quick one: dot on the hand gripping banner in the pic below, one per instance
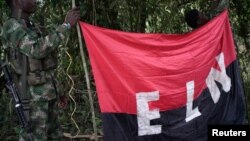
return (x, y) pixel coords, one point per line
(165, 87)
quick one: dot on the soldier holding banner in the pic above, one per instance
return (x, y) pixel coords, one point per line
(196, 19)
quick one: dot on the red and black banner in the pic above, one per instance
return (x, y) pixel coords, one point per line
(160, 87)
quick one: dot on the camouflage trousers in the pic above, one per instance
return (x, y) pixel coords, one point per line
(43, 116)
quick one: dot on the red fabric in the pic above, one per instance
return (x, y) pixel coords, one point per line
(126, 63)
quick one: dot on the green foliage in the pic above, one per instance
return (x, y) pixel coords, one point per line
(154, 16)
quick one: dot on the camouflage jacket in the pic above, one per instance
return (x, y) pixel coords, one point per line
(31, 55)
(28, 41)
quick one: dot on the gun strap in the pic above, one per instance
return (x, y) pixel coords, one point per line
(54, 84)
(25, 96)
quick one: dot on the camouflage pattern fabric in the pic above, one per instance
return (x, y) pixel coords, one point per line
(44, 122)
(28, 41)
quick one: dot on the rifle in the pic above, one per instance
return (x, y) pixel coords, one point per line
(16, 96)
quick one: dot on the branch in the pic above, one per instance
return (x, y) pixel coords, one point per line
(91, 137)
(87, 74)
(185, 2)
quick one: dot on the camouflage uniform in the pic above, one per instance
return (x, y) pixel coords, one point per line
(33, 60)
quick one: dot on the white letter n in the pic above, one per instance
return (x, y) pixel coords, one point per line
(219, 76)
(144, 115)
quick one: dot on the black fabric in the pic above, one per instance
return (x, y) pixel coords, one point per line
(230, 109)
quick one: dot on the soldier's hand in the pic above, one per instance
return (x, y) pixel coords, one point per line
(63, 102)
(72, 16)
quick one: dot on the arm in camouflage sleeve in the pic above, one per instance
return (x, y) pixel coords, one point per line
(217, 7)
(31, 44)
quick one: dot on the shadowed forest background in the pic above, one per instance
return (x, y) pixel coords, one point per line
(145, 16)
